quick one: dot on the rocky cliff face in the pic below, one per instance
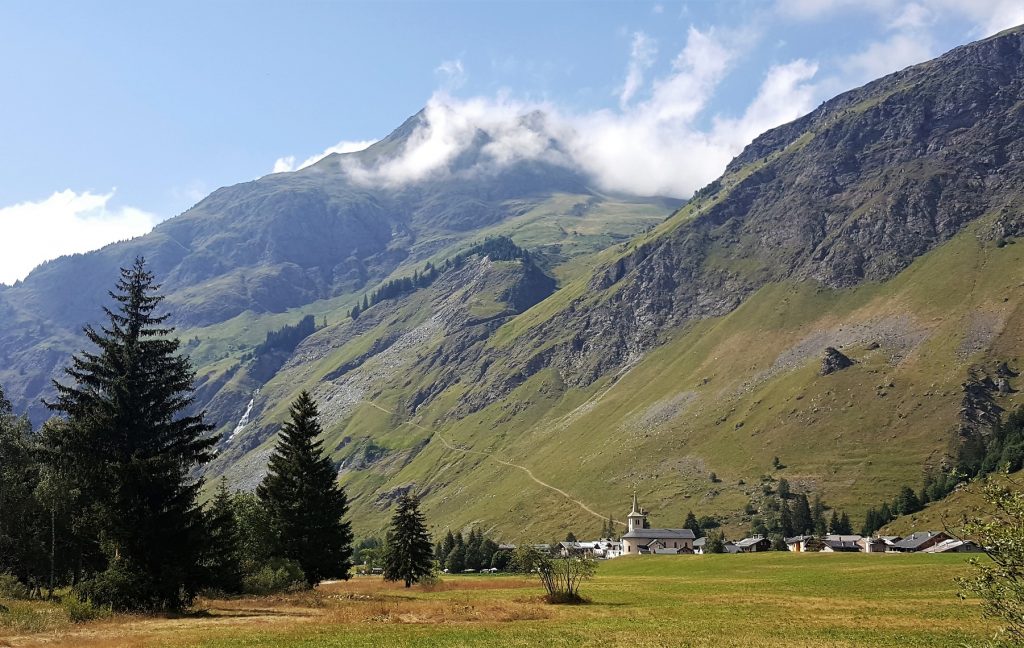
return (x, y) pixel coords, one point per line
(853, 192)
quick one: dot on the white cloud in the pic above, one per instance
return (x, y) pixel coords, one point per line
(879, 58)
(641, 57)
(986, 17)
(452, 73)
(654, 146)
(65, 223)
(287, 163)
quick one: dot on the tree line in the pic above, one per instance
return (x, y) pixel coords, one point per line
(104, 497)
(498, 248)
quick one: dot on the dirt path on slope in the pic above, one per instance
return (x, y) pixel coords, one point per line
(488, 455)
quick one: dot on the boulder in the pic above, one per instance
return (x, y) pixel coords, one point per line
(833, 361)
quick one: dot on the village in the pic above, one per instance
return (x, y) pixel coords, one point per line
(641, 539)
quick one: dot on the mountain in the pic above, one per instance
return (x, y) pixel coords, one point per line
(881, 225)
(247, 258)
(848, 298)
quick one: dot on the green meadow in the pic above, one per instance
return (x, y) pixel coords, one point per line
(758, 600)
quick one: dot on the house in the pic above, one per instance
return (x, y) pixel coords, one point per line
(890, 540)
(753, 544)
(700, 546)
(919, 541)
(607, 548)
(639, 540)
(841, 543)
(798, 544)
(873, 545)
(954, 545)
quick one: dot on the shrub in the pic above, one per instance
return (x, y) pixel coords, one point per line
(82, 610)
(11, 587)
(279, 575)
(118, 589)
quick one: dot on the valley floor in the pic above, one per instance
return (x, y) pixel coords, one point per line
(759, 600)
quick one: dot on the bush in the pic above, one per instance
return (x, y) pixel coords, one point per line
(118, 589)
(11, 587)
(82, 610)
(279, 575)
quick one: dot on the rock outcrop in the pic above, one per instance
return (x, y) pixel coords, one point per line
(833, 361)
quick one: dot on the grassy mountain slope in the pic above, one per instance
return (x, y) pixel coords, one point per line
(877, 224)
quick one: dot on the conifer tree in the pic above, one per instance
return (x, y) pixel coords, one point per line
(692, 524)
(130, 450)
(447, 545)
(224, 560)
(803, 521)
(786, 527)
(305, 502)
(407, 556)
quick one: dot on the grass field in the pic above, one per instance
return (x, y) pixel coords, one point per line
(761, 600)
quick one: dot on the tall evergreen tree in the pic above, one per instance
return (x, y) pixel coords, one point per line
(129, 449)
(786, 527)
(692, 524)
(23, 538)
(802, 521)
(447, 545)
(224, 558)
(305, 502)
(407, 556)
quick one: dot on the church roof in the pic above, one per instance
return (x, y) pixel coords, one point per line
(663, 534)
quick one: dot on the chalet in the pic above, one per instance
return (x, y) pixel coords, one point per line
(841, 543)
(954, 545)
(640, 540)
(919, 541)
(753, 544)
(873, 545)
(802, 543)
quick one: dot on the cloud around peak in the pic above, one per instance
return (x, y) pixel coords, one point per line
(657, 142)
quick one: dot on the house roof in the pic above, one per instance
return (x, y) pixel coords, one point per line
(834, 537)
(662, 534)
(700, 542)
(952, 544)
(747, 542)
(916, 539)
(842, 545)
(799, 538)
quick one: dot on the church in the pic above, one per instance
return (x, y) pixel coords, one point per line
(639, 539)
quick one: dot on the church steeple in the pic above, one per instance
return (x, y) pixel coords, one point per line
(635, 519)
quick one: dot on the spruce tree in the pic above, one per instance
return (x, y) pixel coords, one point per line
(802, 519)
(130, 450)
(224, 558)
(305, 502)
(407, 555)
(692, 524)
(23, 536)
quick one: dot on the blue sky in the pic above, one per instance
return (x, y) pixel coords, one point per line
(117, 115)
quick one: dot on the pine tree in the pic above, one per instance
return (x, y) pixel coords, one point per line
(305, 501)
(907, 501)
(802, 520)
(818, 522)
(447, 545)
(408, 544)
(692, 524)
(786, 527)
(130, 450)
(366, 303)
(224, 559)
(23, 538)
(845, 528)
